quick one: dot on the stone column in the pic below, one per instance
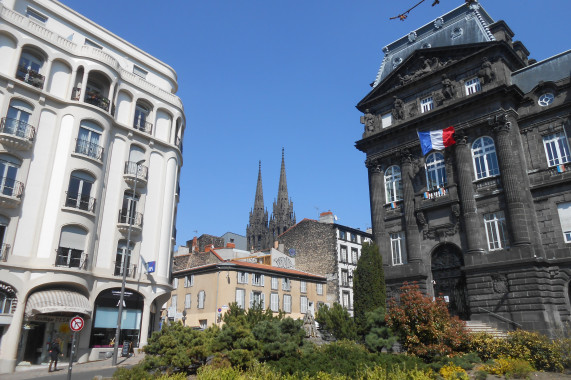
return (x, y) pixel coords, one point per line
(472, 223)
(508, 160)
(377, 201)
(412, 242)
(145, 320)
(11, 339)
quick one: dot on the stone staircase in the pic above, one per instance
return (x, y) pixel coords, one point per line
(479, 327)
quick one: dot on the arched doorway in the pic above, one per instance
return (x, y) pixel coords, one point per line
(448, 280)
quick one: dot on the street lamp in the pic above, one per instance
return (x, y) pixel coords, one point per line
(123, 265)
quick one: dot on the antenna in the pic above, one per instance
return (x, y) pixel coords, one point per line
(316, 209)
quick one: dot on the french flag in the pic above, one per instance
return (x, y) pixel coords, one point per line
(437, 140)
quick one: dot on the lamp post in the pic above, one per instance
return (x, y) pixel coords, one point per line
(123, 266)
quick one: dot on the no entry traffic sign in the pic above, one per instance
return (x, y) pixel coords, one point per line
(76, 323)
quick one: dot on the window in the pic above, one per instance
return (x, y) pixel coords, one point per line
(242, 278)
(128, 213)
(203, 323)
(257, 299)
(319, 289)
(174, 300)
(9, 166)
(387, 120)
(286, 284)
(344, 277)
(346, 298)
(17, 119)
(274, 302)
(287, 303)
(29, 68)
(257, 279)
(342, 235)
(344, 257)
(353, 237)
(3, 247)
(175, 283)
(79, 191)
(485, 160)
(88, 141)
(88, 42)
(564, 210)
(303, 305)
(472, 86)
(188, 281)
(71, 247)
(398, 248)
(35, 15)
(139, 72)
(556, 149)
(141, 115)
(123, 259)
(393, 184)
(274, 283)
(187, 299)
(241, 298)
(545, 99)
(496, 231)
(303, 286)
(435, 171)
(201, 299)
(354, 255)
(426, 104)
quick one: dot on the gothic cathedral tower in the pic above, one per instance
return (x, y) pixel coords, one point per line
(283, 216)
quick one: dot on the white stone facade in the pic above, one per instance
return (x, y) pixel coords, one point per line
(85, 118)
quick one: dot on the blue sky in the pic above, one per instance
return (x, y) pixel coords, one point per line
(256, 76)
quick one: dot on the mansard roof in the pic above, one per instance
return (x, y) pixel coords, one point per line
(466, 24)
(551, 69)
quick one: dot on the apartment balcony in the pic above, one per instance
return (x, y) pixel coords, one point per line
(133, 219)
(132, 171)
(71, 258)
(131, 270)
(97, 100)
(30, 76)
(143, 126)
(4, 251)
(80, 202)
(10, 192)
(89, 149)
(16, 134)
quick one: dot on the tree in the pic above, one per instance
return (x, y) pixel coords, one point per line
(369, 292)
(378, 335)
(337, 321)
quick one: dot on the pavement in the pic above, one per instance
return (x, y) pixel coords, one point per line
(79, 370)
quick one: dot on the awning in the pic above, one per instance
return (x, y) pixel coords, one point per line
(57, 301)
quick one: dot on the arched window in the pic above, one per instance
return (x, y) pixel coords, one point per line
(435, 171)
(3, 247)
(8, 299)
(97, 90)
(123, 251)
(71, 249)
(29, 68)
(485, 160)
(88, 140)
(79, 191)
(17, 119)
(393, 184)
(129, 214)
(9, 166)
(141, 122)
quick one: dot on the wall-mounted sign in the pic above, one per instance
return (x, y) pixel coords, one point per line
(151, 265)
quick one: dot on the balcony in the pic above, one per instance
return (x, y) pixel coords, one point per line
(80, 202)
(89, 149)
(4, 251)
(435, 193)
(10, 192)
(143, 126)
(132, 171)
(30, 76)
(131, 270)
(71, 258)
(97, 100)
(133, 219)
(16, 134)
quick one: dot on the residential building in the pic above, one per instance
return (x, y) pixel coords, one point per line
(484, 222)
(90, 155)
(327, 249)
(206, 283)
(238, 240)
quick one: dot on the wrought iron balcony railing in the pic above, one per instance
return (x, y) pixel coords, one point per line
(17, 128)
(89, 149)
(11, 187)
(4, 251)
(130, 217)
(141, 171)
(97, 100)
(71, 258)
(30, 76)
(80, 201)
(143, 126)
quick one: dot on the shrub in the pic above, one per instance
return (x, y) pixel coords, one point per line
(516, 368)
(480, 375)
(424, 326)
(337, 321)
(465, 361)
(377, 334)
(453, 372)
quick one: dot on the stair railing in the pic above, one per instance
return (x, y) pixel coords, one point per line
(502, 318)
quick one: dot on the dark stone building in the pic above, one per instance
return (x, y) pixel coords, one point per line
(485, 222)
(261, 233)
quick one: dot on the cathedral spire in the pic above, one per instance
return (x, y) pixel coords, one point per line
(283, 216)
(257, 232)
(259, 199)
(282, 188)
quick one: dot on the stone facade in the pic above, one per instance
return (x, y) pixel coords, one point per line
(482, 222)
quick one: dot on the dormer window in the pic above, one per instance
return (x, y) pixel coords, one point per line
(472, 86)
(426, 104)
(36, 16)
(545, 99)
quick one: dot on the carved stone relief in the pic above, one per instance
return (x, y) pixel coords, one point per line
(500, 283)
(398, 109)
(486, 72)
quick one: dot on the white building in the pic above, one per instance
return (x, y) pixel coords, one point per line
(85, 118)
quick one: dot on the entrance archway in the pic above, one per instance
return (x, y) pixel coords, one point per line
(448, 280)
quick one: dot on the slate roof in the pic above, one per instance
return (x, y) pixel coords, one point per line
(551, 69)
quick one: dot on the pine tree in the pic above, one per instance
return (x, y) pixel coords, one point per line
(369, 291)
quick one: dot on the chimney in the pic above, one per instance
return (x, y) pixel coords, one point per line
(208, 248)
(230, 245)
(281, 248)
(276, 244)
(194, 244)
(326, 217)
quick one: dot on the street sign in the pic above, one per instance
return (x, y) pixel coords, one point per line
(151, 266)
(76, 323)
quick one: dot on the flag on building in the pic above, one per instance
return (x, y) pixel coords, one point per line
(436, 139)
